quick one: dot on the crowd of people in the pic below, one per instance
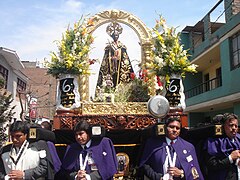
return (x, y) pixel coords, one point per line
(25, 158)
(166, 157)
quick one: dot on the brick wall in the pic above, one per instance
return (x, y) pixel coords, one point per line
(43, 87)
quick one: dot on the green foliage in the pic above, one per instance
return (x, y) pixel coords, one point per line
(138, 91)
(134, 91)
(2, 82)
(6, 111)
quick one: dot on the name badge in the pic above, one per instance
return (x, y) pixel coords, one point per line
(42, 154)
(90, 161)
(189, 158)
(94, 167)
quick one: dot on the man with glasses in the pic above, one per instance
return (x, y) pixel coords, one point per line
(22, 160)
(170, 157)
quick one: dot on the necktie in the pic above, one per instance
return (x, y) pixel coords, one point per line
(84, 152)
(171, 148)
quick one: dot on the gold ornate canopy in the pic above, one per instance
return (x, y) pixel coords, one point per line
(144, 36)
(130, 20)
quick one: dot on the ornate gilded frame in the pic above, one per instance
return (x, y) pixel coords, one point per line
(125, 171)
(128, 19)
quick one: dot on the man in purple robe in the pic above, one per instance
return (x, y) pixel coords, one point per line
(223, 155)
(89, 158)
(170, 157)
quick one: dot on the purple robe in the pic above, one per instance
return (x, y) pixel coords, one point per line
(103, 154)
(55, 158)
(155, 155)
(221, 148)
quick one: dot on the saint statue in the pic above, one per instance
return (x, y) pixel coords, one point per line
(116, 65)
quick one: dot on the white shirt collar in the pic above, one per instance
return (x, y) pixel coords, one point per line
(169, 140)
(88, 144)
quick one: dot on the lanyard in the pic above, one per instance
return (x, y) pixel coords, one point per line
(83, 164)
(20, 152)
(172, 162)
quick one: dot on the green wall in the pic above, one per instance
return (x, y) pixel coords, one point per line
(230, 79)
(236, 109)
(195, 119)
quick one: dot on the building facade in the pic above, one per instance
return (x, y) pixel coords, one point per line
(15, 81)
(215, 47)
(42, 91)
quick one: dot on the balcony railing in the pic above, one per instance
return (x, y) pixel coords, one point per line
(204, 87)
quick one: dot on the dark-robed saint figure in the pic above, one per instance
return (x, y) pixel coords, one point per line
(116, 66)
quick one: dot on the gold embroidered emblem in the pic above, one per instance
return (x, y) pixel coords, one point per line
(194, 173)
(160, 129)
(32, 133)
(218, 129)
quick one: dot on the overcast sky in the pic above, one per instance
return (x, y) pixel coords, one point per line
(30, 27)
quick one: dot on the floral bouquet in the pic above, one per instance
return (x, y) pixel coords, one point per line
(73, 50)
(168, 54)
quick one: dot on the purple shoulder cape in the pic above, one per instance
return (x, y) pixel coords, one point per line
(155, 154)
(222, 146)
(103, 154)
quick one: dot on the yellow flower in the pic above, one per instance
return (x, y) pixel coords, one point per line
(191, 68)
(73, 50)
(162, 21)
(69, 64)
(90, 22)
(84, 31)
(168, 54)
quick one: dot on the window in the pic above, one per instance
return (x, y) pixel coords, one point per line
(4, 73)
(206, 82)
(21, 85)
(218, 77)
(235, 60)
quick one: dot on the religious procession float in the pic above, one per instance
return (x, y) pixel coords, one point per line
(128, 102)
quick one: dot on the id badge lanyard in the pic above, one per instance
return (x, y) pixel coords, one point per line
(83, 164)
(172, 161)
